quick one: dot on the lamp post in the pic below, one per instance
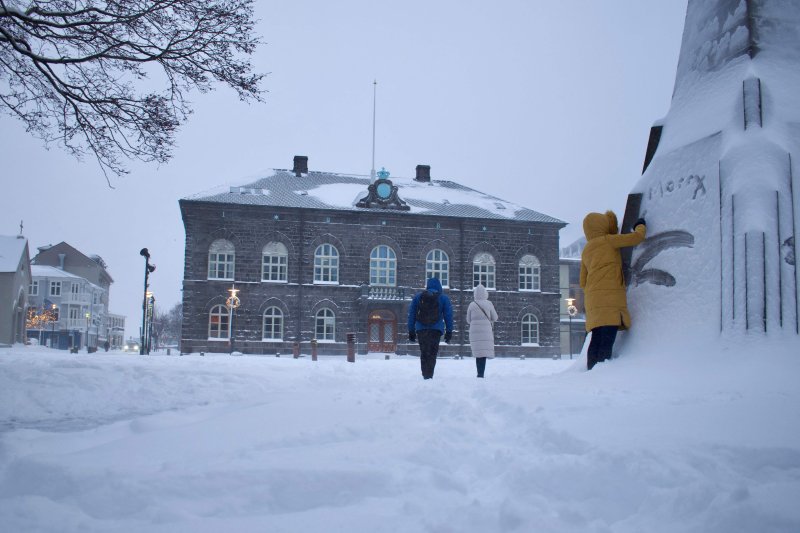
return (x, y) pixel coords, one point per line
(232, 303)
(571, 311)
(87, 331)
(53, 324)
(148, 268)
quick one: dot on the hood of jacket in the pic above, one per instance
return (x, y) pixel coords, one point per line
(434, 285)
(600, 224)
(480, 293)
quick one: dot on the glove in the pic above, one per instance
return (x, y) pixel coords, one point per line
(412, 336)
(447, 336)
(640, 221)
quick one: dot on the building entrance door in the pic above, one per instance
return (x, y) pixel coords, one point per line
(382, 331)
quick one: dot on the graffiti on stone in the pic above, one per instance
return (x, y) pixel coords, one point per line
(787, 251)
(693, 182)
(653, 246)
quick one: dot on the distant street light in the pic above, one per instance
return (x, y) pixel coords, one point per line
(87, 331)
(232, 303)
(571, 311)
(148, 268)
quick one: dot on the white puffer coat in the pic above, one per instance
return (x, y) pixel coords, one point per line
(481, 316)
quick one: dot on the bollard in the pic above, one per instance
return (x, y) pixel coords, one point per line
(168, 351)
(296, 349)
(522, 357)
(313, 349)
(386, 357)
(351, 347)
(202, 354)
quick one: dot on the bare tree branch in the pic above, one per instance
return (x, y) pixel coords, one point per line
(71, 70)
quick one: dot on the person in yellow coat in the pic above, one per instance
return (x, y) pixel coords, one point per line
(602, 282)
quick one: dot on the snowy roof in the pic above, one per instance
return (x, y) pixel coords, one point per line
(11, 249)
(44, 271)
(325, 190)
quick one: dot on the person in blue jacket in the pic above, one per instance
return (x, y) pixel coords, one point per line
(428, 318)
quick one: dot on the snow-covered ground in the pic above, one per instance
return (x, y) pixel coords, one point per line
(705, 441)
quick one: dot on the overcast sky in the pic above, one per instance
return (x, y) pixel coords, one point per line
(544, 103)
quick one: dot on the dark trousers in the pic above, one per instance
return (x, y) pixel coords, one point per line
(428, 350)
(601, 344)
(480, 363)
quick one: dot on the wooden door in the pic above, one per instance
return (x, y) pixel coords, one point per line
(382, 332)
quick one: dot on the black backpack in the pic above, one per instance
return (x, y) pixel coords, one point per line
(428, 308)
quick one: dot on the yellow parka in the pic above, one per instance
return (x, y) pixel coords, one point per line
(601, 270)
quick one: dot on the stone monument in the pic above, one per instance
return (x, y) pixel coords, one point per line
(719, 188)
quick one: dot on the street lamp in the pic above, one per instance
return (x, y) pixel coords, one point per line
(87, 332)
(232, 303)
(148, 268)
(571, 311)
(53, 320)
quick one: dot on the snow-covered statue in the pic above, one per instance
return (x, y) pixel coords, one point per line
(720, 188)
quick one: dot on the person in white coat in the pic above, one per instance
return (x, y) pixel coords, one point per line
(481, 317)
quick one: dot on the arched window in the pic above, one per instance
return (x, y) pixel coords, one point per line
(273, 324)
(530, 330)
(529, 274)
(437, 265)
(218, 322)
(274, 261)
(383, 266)
(325, 325)
(221, 257)
(326, 264)
(483, 271)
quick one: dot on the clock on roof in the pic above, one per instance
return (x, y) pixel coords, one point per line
(382, 193)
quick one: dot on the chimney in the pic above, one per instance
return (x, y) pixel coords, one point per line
(300, 165)
(61, 258)
(423, 173)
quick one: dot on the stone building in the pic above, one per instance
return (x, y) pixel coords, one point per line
(318, 255)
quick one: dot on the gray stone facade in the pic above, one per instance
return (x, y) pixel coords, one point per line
(355, 232)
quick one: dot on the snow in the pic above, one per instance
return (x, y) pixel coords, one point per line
(11, 250)
(699, 440)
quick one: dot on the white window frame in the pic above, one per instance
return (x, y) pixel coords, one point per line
(275, 315)
(33, 288)
(221, 327)
(530, 322)
(437, 265)
(275, 263)
(325, 319)
(221, 260)
(530, 274)
(483, 271)
(326, 265)
(383, 266)
(55, 288)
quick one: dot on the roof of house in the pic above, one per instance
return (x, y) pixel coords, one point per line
(326, 190)
(11, 250)
(44, 271)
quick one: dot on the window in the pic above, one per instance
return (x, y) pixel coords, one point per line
(437, 265)
(55, 288)
(221, 256)
(530, 329)
(326, 264)
(75, 289)
(74, 314)
(274, 260)
(273, 324)
(326, 325)
(382, 266)
(483, 271)
(33, 288)
(218, 320)
(529, 274)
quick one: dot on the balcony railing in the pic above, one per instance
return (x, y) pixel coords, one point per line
(72, 298)
(374, 292)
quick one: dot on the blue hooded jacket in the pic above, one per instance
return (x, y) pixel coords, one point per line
(445, 310)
